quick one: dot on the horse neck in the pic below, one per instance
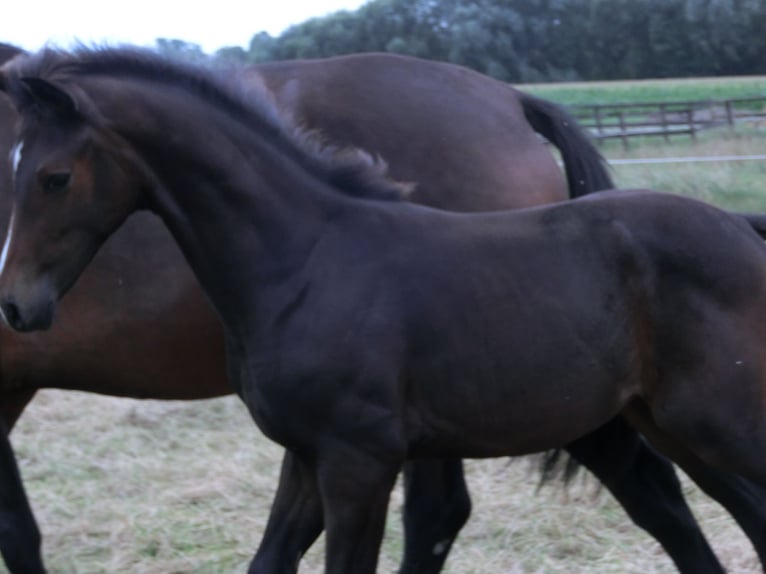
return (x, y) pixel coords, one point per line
(240, 205)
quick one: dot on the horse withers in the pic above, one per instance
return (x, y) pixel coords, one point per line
(351, 337)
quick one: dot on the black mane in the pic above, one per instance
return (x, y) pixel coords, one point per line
(8, 52)
(349, 170)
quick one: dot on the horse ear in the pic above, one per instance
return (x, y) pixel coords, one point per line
(49, 96)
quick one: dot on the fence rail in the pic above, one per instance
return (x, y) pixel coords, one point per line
(667, 119)
(685, 159)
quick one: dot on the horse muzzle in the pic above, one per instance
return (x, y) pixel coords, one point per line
(29, 312)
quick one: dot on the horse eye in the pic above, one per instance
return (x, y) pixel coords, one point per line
(57, 181)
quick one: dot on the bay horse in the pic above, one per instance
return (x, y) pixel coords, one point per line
(154, 336)
(287, 88)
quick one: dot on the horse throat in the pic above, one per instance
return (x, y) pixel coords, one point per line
(246, 214)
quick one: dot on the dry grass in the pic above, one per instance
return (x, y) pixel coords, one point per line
(163, 487)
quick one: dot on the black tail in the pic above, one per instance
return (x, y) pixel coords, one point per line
(586, 169)
(587, 172)
(757, 221)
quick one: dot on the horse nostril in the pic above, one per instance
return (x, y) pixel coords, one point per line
(12, 314)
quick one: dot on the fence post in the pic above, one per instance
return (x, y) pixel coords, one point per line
(612, 123)
(597, 116)
(692, 127)
(623, 131)
(730, 115)
(664, 119)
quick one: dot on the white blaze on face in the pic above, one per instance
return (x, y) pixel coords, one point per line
(7, 244)
(16, 157)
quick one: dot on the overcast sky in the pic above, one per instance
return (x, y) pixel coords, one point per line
(210, 23)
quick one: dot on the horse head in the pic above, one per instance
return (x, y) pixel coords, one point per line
(66, 184)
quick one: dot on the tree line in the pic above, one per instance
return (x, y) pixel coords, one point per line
(533, 40)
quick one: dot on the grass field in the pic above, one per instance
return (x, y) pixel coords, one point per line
(138, 487)
(124, 486)
(582, 93)
(733, 185)
(161, 487)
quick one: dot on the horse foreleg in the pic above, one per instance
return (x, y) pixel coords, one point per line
(355, 487)
(12, 405)
(19, 535)
(646, 486)
(436, 506)
(295, 520)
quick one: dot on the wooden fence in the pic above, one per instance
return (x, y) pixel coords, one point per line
(667, 118)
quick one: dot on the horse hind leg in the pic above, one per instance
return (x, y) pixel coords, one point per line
(646, 485)
(719, 414)
(706, 387)
(744, 499)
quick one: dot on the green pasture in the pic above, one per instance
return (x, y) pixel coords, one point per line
(640, 91)
(735, 185)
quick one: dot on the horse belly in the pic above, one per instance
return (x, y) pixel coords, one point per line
(521, 402)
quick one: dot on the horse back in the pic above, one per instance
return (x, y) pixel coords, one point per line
(580, 308)
(454, 131)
